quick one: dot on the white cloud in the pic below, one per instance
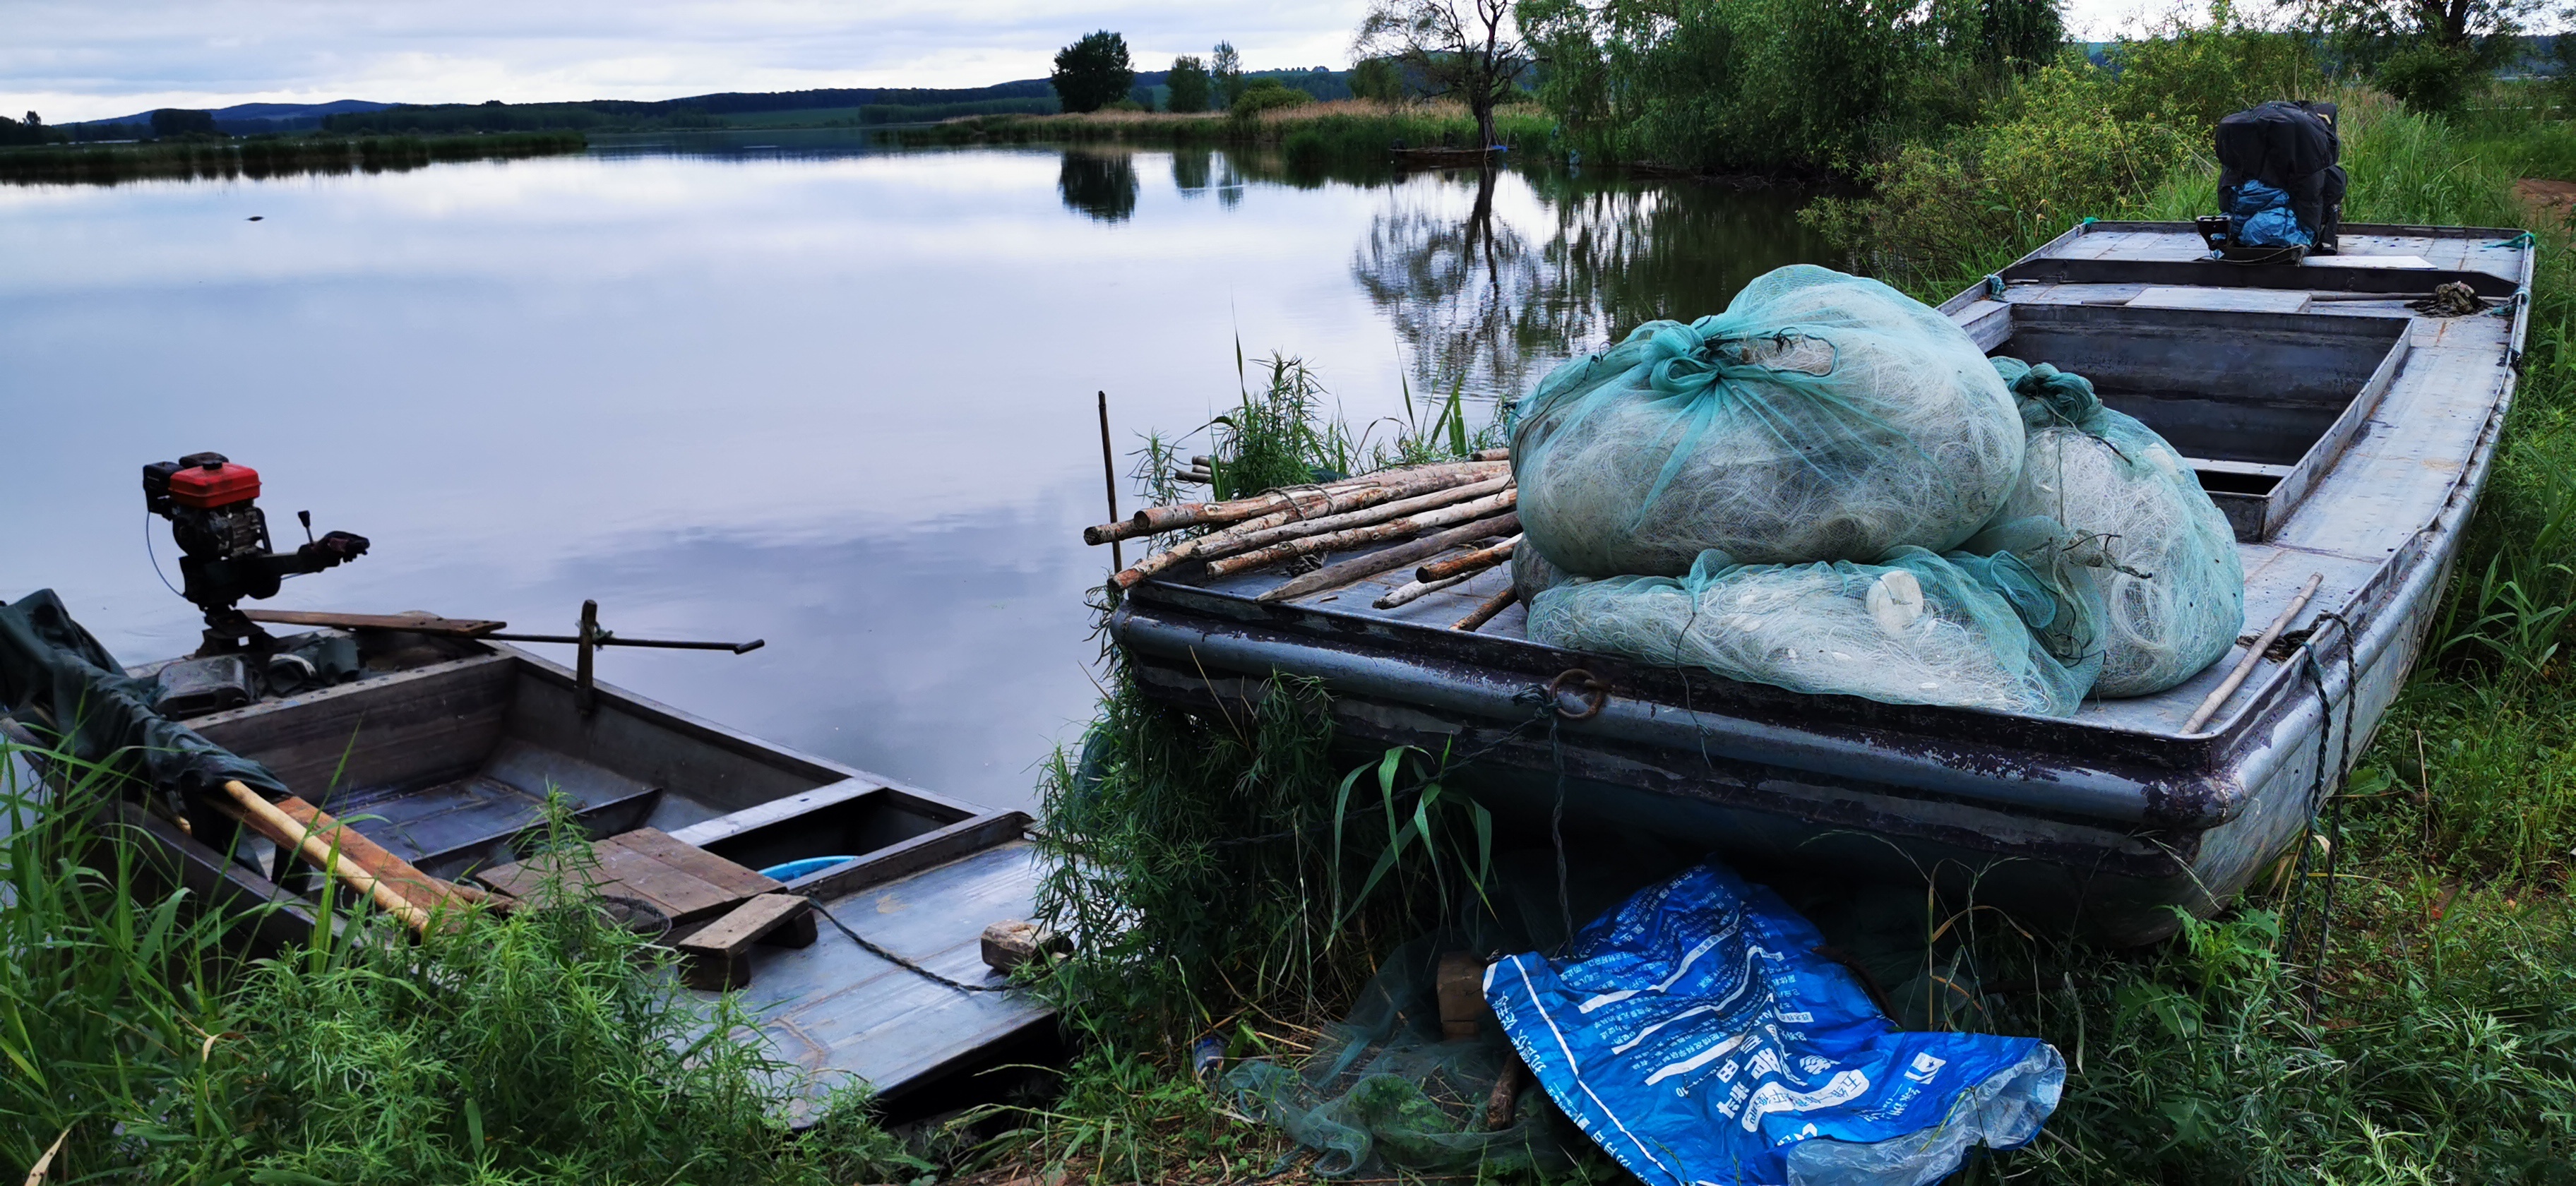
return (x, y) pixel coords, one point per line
(74, 61)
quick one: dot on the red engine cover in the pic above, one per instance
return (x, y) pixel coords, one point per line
(206, 489)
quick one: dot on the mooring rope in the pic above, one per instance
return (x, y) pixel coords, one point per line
(2324, 797)
(892, 958)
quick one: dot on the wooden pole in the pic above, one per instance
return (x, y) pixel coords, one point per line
(1418, 590)
(585, 693)
(1471, 562)
(1388, 559)
(1482, 614)
(1335, 541)
(1109, 476)
(324, 857)
(2245, 666)
(1286, 525)
(1414, 480)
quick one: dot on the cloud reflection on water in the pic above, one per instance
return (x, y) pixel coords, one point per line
(838, 399)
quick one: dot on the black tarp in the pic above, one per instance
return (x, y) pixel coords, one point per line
(57, 680)
(2291, 147)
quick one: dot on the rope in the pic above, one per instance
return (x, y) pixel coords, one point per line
(897, 960)
(2324, 797)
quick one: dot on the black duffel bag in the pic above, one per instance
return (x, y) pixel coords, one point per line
(2290, 147)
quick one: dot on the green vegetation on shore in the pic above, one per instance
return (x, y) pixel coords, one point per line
(1306, 132)
(2412, 1027)
(107, 164)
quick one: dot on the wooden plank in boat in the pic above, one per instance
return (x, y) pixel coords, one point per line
(646, 864)
(416, 624)
(2225, 300)
(696, 862)
(2394, 262)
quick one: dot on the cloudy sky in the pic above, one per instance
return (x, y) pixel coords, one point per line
(98, 58)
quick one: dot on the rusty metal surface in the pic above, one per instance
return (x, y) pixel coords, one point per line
(2115, 809)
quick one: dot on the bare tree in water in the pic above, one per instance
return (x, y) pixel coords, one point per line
(1464, 49)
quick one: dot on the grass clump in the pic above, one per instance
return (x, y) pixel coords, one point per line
(548, 1045)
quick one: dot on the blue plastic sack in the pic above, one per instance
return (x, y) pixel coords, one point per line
(2261, 217)
(1698, 1037)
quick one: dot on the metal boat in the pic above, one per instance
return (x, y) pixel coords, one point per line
(444, 750)
(2345, 435)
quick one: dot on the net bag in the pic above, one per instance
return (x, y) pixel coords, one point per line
(2177, 599)
(2015, 627)
(1821, 417)
(1385, 1090)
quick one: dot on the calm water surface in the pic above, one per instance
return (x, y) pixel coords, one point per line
(770, 385)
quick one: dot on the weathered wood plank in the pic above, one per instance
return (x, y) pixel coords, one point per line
(446, 627)
(705, 866)
(711, 959)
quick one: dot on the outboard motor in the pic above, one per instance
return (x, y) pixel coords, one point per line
(2279, 186)
(225, 553)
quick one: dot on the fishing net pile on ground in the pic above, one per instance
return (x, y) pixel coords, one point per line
(1821, 417)
(2177, 600)
(1384, 1091)
(2013, 622)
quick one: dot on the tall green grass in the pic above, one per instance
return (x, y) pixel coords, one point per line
(544, 1046)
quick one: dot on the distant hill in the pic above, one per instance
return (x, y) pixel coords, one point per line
(244, 118)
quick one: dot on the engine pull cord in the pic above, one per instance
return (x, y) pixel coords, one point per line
(155, 557)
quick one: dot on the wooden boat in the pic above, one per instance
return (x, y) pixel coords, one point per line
(444, 751)
(2346, 437)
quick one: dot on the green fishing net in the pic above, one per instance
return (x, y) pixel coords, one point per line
(2012, 622)
(1821, 417)
(2177, 600)
(1383, 1090)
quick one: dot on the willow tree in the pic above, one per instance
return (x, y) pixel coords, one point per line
(1467, 51)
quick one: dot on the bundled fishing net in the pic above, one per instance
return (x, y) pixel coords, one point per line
(2177, 599)
(2012, 623)
(1384, 1090)
(1821, 417)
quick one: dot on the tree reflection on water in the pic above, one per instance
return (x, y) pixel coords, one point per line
(1102, 185)
(1488, 302)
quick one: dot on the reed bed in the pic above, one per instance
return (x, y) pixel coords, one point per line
(108, 164)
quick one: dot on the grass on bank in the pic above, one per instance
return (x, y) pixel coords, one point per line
(107, 164)
(546, 1046)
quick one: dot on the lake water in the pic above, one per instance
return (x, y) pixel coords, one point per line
(789, 386)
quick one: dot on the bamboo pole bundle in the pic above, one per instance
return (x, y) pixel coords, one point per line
(1335, 541)
(1329, 498)
(1468, 564)
(1282, 525)
(1246, 540)
(1389, 559)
